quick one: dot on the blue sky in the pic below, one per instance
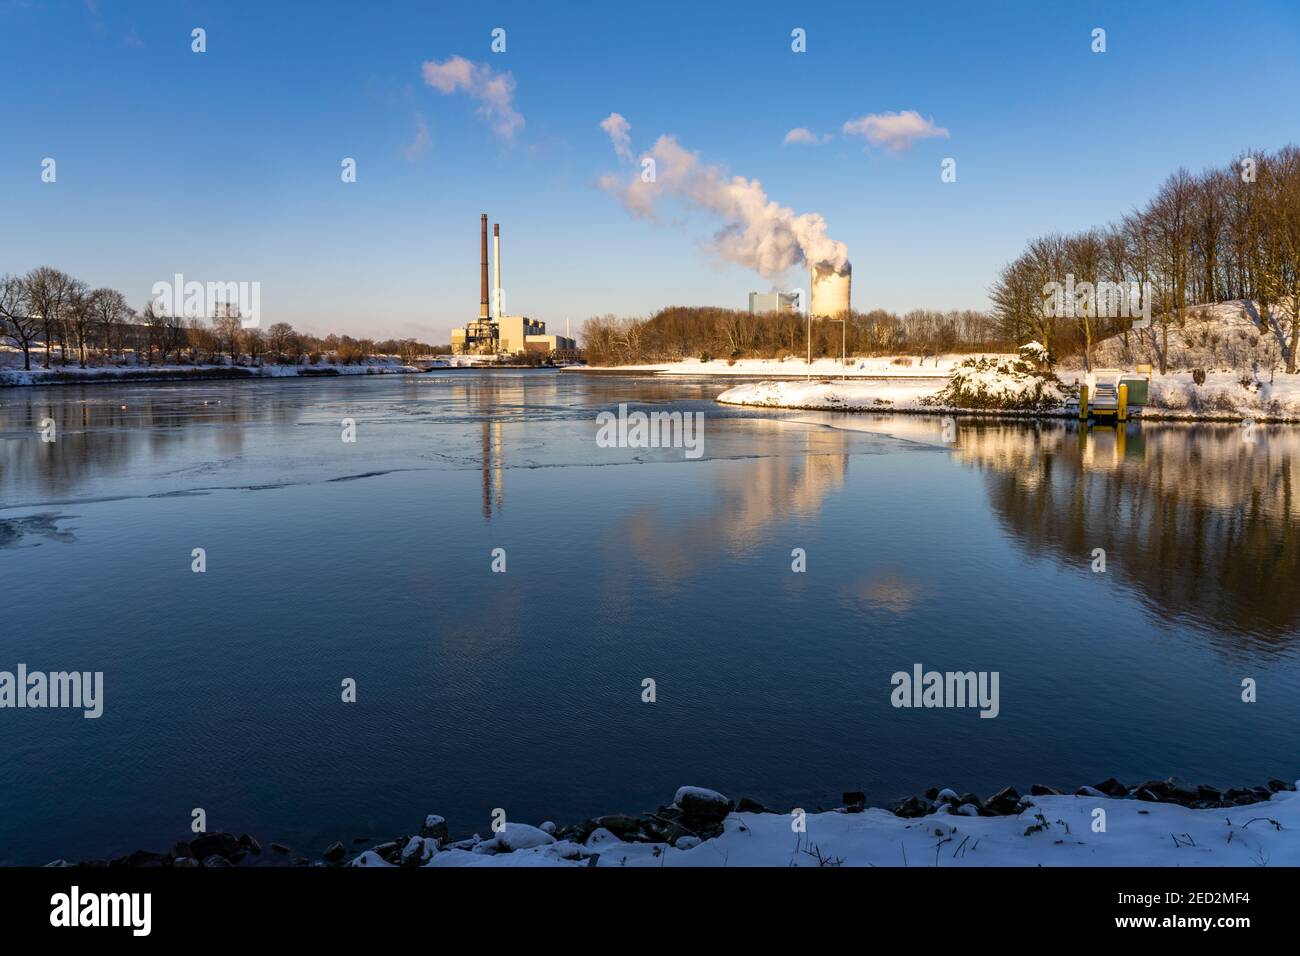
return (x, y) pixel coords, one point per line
(225, 165)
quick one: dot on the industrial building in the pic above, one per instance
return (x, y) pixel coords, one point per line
(496, 334)
(760, 303)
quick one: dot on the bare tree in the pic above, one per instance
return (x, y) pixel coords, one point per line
(48, 290)
(110, 315)
(80, 317)
(18, 323)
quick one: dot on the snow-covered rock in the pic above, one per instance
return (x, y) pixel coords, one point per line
(515, 836)
(370, 859)
(699, 803)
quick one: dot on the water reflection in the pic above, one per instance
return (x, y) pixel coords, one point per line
(1199, 522)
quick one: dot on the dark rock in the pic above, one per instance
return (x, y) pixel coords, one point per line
(185, 862)
(1005, 802)
(334, 852)
(209, 843)
(700, 806)
(390, 851)
(1089, 792)
(143, 858)
(1042, 790)
(747, 805)
(1181, 792)
(237, 856)
(1112, 788)
(434, 826)
(1263, 793)
(932, 794)
(1159, 788)
(181, 848)
(855, 798)
(913, 807)
(619, 824)
(972, 799)
(1144, 793)
(576, 832)
(1277, 786)
(250, 844)
(216, 859)
(1208, 793)
(279, 848)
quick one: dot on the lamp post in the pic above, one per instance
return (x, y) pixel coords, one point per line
(844, 334)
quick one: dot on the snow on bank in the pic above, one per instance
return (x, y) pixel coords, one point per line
(890, 366)
(879, 396)
(154, 373)
(1048, 831)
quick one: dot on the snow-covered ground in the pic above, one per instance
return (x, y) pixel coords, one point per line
(1048, 831)
(904, 366)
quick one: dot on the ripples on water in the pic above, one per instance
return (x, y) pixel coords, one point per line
(328, 560)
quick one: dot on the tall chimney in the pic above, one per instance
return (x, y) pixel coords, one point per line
(496, 260)
(483, 284)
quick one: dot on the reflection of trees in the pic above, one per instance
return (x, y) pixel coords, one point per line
(1200, 522)
(747, 500)
(108, 430)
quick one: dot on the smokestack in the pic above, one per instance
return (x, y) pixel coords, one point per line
(483, 284)
(496, 260)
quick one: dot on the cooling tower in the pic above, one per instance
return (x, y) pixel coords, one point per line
(830, 290)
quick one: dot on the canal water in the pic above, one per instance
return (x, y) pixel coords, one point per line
(372, 560)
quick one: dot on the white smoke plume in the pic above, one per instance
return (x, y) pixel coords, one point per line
(756, 232)
(494, 91)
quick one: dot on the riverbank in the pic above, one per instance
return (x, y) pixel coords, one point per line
(105, 375)
(1222, 396)
(1155, 823)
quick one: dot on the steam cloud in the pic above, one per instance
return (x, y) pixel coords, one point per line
(756, 232)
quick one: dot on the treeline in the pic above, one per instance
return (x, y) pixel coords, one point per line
(67, 322)
(683, 332)
(1229, 233)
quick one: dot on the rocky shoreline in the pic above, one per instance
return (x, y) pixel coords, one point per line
(695, 816)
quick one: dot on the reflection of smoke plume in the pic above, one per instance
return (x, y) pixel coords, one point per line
(756, 232)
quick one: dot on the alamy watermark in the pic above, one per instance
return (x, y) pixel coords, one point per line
(922, 688)
(198, 300)
(37, 689)
(1105, 299)
(653, 430)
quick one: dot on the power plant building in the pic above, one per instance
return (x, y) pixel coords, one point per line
(494, 333)
(761, 303)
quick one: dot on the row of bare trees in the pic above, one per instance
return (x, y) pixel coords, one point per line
(48, 311)
(680, 332)
(1229, 233)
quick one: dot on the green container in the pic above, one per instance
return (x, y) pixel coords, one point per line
(1137, 390)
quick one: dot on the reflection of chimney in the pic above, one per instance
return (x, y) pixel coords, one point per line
(483, 285)
(496, 261)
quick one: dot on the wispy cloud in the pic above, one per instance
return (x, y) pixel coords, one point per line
(495, 92)
(896, 132)
(423, 141)
(754, 232)
(619, 130)
(801, 134)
